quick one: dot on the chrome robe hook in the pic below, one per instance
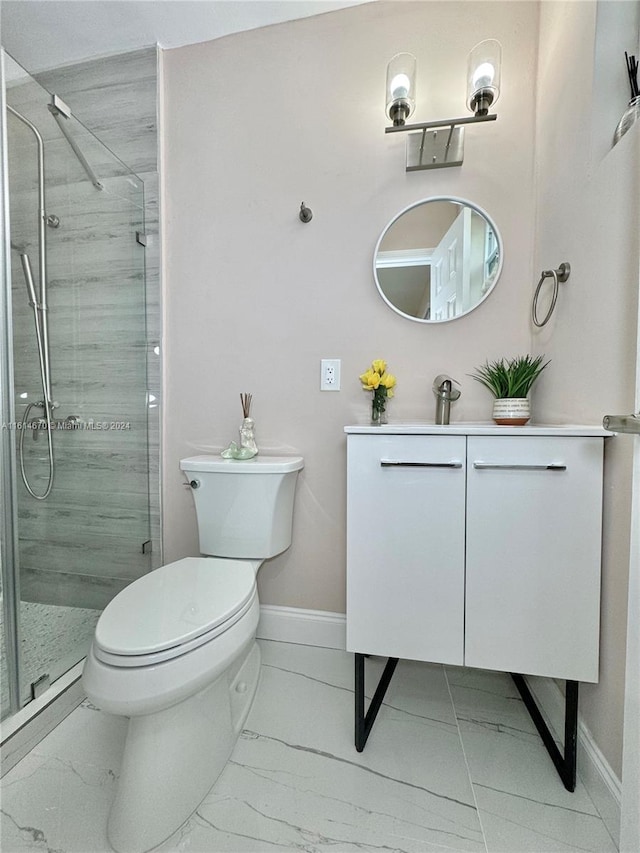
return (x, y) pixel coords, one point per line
(306, 214)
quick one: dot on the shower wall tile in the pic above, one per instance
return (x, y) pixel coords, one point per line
(80, 516)
(103, 326)
(51, 586)
(60, 588)
(26, 96)
(115, 472)
(116, 98)
(127, 561)
(83, 556)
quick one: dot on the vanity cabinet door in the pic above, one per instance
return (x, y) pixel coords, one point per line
(533, 555)
(405, 551)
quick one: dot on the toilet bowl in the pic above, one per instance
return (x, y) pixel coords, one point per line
(176, 652)
(169, 634)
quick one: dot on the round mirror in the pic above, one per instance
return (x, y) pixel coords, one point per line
(437, 259)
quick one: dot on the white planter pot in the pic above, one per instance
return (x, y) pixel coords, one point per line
(511, 411)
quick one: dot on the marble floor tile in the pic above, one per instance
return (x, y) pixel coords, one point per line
(278, 793)
(451, 765)
(409, 787)
(518, 824)
(54, 805)
(88, 737)
(491, 699)
(522, 803)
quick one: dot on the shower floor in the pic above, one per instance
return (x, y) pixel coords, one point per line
(53, 639)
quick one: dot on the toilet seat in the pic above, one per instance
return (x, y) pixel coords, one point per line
(174, 609)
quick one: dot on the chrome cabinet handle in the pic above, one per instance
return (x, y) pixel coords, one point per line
(393, 463)
(495, 466)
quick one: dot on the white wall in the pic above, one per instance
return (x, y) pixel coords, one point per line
(587, 214)
(258, 122)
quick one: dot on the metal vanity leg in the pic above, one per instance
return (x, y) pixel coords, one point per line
(364, 722)
(564, 764)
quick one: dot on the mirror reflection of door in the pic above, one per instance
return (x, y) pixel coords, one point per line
(450, 287)
(437, 260)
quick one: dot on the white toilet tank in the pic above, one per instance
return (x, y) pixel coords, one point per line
(244, 508)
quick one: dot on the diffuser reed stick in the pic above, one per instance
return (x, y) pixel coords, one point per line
(632, 71)
(245, 399)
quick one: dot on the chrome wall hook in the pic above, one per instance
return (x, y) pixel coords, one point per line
(306, 214)
(559, 276)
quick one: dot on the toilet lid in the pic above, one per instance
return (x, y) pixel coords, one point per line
(175, 604)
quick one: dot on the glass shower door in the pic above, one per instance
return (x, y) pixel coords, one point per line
(86, 540)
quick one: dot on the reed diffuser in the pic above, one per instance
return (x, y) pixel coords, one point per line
(247, 438)
(633, 109)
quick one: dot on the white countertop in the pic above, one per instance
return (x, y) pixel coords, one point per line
(477, 428)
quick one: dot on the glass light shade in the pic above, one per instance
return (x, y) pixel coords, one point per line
(483, 76)
(401, 87)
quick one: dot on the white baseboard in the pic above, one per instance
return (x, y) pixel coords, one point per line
(306, 627)
(601, 782)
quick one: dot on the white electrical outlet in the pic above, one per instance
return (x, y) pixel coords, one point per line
(330, 374)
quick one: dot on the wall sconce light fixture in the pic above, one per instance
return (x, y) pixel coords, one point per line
(440, 144)
(483, 76)
(401, 88)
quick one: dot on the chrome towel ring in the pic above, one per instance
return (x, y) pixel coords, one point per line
(560, 275)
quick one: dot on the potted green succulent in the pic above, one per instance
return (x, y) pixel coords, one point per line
(510, 381)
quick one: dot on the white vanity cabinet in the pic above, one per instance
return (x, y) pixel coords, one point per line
(405, 546)
(476, 546)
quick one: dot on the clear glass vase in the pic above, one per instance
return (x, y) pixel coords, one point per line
(378, 412)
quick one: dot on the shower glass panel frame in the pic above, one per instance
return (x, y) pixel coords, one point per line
(64, 557)
(9, 632)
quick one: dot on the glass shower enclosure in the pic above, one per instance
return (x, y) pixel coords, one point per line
(74, 475)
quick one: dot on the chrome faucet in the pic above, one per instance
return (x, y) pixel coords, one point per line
(445, 395)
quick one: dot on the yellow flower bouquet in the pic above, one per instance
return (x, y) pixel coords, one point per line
(381, 384)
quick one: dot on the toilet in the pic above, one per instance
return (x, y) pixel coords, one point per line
(176, 650)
